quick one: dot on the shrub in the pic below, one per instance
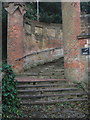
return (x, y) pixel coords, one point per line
(10, 101)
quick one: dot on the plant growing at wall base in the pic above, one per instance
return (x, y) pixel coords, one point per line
(82, 85)
(10, 101)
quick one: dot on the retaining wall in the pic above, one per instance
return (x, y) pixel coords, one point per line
(42, 43)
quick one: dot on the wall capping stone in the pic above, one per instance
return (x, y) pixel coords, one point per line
(37, 52)
(85, 15)
(85, 36)
(28, 21)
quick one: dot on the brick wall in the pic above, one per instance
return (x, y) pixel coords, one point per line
(75, 64)
(15, 35)
(42, 42)
(85, 28)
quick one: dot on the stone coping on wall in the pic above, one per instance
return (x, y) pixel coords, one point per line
(85, 15)
(37, 52)
(86, 36)
(40, 24)
(42, 58)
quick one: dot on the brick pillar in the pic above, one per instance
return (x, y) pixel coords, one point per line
(74, 62)
(15, 35)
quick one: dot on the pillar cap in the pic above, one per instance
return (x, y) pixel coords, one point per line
(11, 7)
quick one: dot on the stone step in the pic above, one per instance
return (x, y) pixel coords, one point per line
(48, 77)
(50, 74)
(26, 103)
(51, 95)
(45, 85)
(47, 90)
(42, 73)
(26, 79)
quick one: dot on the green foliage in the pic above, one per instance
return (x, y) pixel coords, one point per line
(10, 101)
(79, 84)
(85, 7)
(49, 12)
(31, 11)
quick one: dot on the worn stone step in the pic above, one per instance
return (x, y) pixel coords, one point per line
(43, 73)
(51, 70)
(46, 85)
(47, 67)
(49, 76)
(51, 95)
(26, 79)
(28, 74)
(52, 101)
(48, 90)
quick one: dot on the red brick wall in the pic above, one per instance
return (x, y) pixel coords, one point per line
(41, 36)
(75, 64)
(25, 38)
(15, 36)
(44, 39)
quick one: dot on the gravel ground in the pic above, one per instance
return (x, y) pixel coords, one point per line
(60, 110)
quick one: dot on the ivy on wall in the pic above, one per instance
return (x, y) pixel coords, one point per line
(10, 101)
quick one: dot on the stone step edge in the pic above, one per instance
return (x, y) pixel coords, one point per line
(28, 79)
(46, 85)
(49, 90)
(51, 95)
(52, 101)
(40, 73)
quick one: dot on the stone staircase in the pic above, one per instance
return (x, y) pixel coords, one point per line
(49, 91)
(51, 70)
(45, 84)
